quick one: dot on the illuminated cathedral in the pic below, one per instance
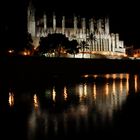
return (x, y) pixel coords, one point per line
(95, 32)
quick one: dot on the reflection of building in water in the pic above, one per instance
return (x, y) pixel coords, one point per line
(36, 104)
(65, 93)
(109, 95)
(96, 32)
(95, 102)
(134, 83)
(137, 82)
(54, 94)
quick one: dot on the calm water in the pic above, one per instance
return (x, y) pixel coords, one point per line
(93, 106)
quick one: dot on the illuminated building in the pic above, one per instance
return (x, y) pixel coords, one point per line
(136, 53)
(95, 32)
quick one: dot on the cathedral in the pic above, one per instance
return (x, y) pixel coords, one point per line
(95, 32)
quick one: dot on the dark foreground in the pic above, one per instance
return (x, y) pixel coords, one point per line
(44, 98)
(68, 109)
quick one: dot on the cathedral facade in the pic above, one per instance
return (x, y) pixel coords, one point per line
(95, 32)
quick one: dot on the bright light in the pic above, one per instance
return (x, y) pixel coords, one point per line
(127, 83)
(35, 101)
(10, 51)
(86, 76)
(80, 92)
(114, 76)
(85, 90)
(94, 91)
(114, 87)
(107, 76)
(136, 84)
(65, 94)
(107, 89)
(95, 76)
(125, 55)
(11, 99)
(121, 86)
(135, 55)
(24, 53)
(54, 94)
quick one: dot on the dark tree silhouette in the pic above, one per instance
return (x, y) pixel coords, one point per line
(57, 43)
(29, 43)
(73, 47)
(53, 43)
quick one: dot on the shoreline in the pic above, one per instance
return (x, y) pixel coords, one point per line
(14, 66)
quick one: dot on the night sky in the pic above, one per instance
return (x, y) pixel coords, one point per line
(124, 17)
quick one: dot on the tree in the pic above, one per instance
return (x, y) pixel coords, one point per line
(72, 47)
(53, 43)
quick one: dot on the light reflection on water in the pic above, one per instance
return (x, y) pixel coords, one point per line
(94, 99)
(11, 98)
(76, 108)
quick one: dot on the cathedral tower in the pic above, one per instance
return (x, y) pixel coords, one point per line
(31, 19)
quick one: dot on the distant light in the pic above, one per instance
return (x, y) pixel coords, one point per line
(25, 53)
(107, 89)
(10, 51)
(11, 99)
(135, 55)
(107, 76)
(35, 99)
(54, 94)
(65, 94)
(86, 76)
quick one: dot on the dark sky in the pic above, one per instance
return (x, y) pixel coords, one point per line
(124, 16)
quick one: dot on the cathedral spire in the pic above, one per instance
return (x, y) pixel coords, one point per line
(31, 18)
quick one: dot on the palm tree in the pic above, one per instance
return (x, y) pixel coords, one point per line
(92, 39)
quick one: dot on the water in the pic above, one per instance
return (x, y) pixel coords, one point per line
(92, 106)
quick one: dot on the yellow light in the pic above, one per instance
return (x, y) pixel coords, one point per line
(35, 101)
(127, 83)
(121, 76)
(85, 76)
(11, 99)
(85, 90)
(95, 76)
(65, 93)
(114, 87)
(107, 76)
(80, 92)
(25, 53)
(107, 89)
(54, 94)
(136, 86)
(121, 86)
(114, 76)
(135, 55)
(94, 91)
(10, 51)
